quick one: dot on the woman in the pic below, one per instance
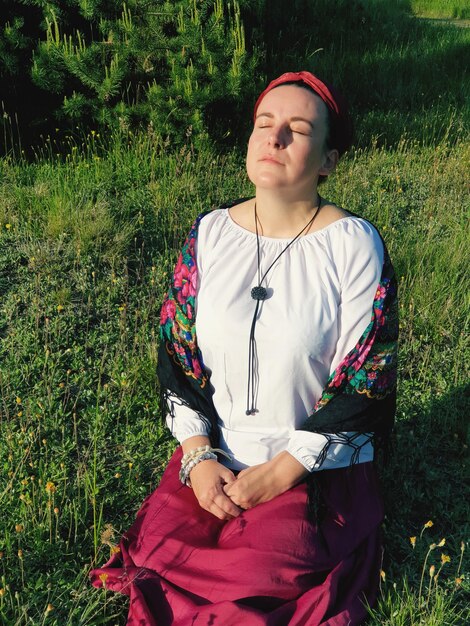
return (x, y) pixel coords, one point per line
(276, 401)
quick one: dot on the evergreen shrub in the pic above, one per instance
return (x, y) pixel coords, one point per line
(179, 66)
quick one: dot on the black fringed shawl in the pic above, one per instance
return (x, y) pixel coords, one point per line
(359, 396)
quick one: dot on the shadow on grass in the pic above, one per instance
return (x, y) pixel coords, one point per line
(398, 67)
(425, 477)
(406, 74)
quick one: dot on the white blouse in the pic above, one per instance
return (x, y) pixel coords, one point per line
(320, 295)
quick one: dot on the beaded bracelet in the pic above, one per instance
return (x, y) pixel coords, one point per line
(195, 456)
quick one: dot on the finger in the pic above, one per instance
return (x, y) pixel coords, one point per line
(241, 506)
(226, 504)
(216, 510)
(228, 476)
(230, 489)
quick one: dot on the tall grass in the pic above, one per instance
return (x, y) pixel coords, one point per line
(401, 73)
(87, 241)
(454, 9)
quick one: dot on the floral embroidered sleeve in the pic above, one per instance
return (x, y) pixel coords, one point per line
(180, 360)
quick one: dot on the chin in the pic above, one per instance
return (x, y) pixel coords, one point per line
(266, 177)
(266, 182)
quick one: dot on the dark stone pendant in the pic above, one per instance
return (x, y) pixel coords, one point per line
(259, 293)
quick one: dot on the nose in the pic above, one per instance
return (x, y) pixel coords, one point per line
(277, 138)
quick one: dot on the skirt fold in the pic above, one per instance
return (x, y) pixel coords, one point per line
(271, 566)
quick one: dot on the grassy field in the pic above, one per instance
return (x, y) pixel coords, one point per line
(89, 232)
(86, 244)
(454, 9)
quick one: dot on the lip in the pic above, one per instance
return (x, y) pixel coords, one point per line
(267, 158)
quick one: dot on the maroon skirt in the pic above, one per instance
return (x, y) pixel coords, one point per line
(272, 566)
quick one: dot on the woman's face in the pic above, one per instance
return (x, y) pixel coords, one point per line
(287, 148)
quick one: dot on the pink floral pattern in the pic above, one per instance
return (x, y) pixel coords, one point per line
(177, 328)
(371, 366)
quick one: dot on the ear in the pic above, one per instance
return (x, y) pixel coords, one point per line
(330, 162)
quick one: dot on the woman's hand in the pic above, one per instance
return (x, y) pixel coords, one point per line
(208, 480)
(264, 482)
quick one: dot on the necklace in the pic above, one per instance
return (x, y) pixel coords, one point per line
(260, 293)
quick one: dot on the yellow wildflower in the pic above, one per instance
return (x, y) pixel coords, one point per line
(60, 307)
(50, 487)
(442, 542)
(432, 569)
(382, 575)
(459, 581)
(103, 577)
(2, 592)
(445, 558)
(413, 541)
(117, 475)
(18, 400)
(8, 226)
(19, 528)
(20, 554)
(49, 608)
(429, 523)
(115, 550)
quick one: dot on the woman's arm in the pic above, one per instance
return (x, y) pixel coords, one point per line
(208, 480)
(264, 482)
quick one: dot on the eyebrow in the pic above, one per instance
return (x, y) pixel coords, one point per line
(292, 119)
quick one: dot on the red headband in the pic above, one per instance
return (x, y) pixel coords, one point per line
(340, 121)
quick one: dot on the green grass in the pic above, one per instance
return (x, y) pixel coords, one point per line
(89, 231)
(385, 60)
(401, 74)
(453, 9)
(86, 246)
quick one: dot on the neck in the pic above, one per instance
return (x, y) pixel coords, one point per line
(283, 217)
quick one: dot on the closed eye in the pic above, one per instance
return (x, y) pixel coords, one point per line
(301, 131)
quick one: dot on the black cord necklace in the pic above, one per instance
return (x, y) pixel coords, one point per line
(259, 293)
